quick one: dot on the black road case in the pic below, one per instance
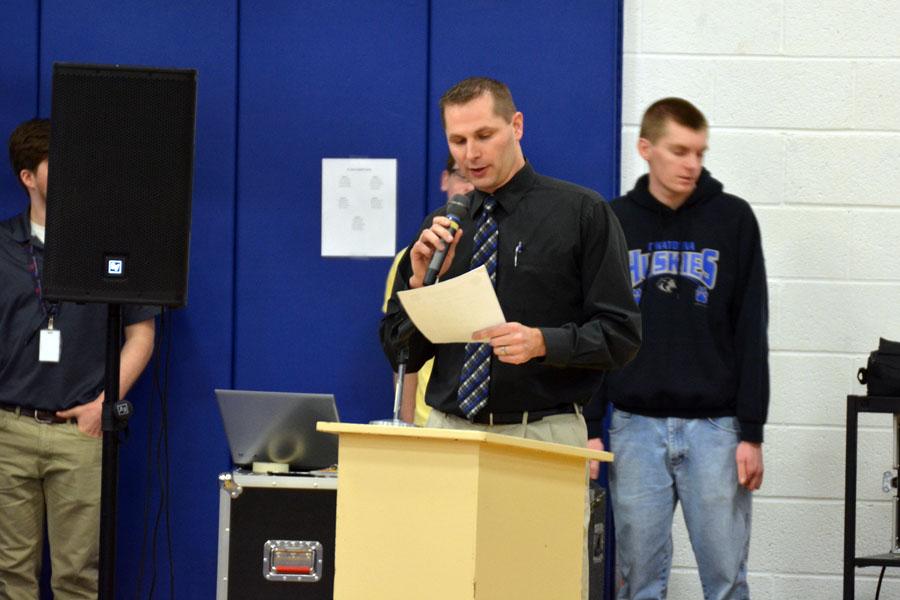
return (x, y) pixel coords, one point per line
(276, 537)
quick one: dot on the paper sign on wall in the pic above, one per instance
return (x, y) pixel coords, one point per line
(359, 206)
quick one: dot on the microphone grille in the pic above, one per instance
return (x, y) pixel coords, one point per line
(458, 205)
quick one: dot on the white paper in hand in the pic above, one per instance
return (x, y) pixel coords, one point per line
(449, 312)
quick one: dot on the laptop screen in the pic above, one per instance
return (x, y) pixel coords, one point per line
(279, 427)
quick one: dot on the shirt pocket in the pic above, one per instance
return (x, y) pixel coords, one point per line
(542, 291)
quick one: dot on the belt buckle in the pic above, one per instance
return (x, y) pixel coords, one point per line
(37, 418)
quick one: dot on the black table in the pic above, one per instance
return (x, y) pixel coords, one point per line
(856, 405)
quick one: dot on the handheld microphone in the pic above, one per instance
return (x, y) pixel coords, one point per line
(457, 208)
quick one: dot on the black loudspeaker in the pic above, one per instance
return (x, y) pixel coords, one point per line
(119, 185)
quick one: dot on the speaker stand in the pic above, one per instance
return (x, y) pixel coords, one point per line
(112, 423)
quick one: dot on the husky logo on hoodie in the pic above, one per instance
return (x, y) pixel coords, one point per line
(672, 258)
(667, 285)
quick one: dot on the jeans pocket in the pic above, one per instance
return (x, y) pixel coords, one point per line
(619, 421)
(729, 424)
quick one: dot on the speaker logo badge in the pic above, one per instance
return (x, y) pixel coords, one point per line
(115, 266)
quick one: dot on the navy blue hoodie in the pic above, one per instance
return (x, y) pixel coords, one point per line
(699, 277)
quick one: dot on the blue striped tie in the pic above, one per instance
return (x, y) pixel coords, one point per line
(475, 378)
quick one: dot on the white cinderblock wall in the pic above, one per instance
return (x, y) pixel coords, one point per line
(803, 99)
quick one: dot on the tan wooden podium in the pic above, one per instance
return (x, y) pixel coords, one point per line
(440, 514)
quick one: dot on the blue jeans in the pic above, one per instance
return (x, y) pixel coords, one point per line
(658, 463)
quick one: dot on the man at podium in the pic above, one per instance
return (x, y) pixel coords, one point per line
(557, 258)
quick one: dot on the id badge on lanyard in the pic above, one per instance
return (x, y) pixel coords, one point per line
(50, 342)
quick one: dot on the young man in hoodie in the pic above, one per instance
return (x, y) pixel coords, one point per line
(688, 412)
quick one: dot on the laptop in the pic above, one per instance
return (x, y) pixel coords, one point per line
(279, 427)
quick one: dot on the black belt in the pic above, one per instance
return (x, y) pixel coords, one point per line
(47, 417)
(509, 418)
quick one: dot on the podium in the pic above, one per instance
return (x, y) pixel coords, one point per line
(456, 515)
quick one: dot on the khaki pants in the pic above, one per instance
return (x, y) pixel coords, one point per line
(567, 429)
(52, 470)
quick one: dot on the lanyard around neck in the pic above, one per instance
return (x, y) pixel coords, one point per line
(48, 308)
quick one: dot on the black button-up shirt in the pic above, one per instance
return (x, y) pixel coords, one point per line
(569, 278)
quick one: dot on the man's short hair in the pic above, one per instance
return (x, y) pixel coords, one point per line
(474, 87)
(29, 146)
(679, 110)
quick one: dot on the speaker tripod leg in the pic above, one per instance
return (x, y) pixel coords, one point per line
(110, 464)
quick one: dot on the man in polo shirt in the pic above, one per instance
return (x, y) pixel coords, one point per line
(51, 396)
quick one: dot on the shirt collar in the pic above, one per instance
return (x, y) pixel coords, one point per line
(21, 227)
(509, 195)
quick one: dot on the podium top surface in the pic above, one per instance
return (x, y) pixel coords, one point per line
(464, 436)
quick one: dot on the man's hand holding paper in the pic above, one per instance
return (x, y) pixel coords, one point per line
(450, 312)
(513, 343)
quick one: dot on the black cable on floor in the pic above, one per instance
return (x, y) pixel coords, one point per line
(878, 589)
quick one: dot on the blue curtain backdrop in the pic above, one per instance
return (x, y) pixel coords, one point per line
(283, 84)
